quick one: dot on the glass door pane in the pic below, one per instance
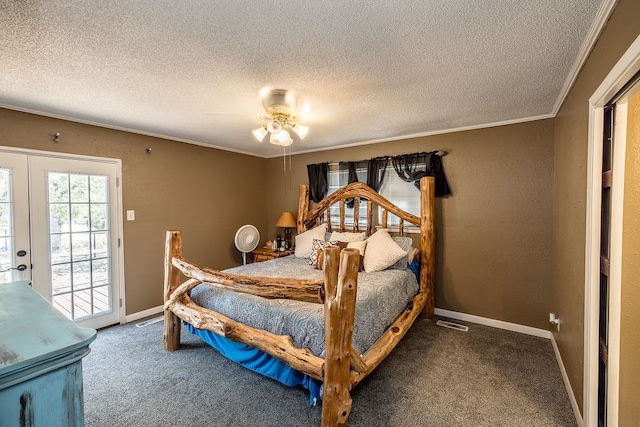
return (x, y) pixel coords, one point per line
(6, 226)
(15, 252)
(78, 212)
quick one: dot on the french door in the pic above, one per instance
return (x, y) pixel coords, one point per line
(71, 232)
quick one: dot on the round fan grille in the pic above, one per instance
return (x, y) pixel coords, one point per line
(247, 238)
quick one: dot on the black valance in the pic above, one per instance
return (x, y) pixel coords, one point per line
(412, 167)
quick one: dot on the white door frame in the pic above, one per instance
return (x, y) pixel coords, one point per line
(119, 222)
(622, 72)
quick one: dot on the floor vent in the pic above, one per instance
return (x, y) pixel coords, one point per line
(452, 325)
(150, 322)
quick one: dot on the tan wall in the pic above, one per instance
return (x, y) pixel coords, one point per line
(630, 311)
(569, 215)
(162, 189)
(493, 234)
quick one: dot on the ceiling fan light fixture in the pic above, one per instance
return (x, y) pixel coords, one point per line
(300, 130)
(260, 133)
(279, 117)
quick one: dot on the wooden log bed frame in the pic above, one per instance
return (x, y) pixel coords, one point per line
(342, 367)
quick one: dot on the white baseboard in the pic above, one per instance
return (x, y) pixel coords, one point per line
(142, 314)
(494, 323)
(567, 384)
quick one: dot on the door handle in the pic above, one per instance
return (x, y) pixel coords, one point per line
(21, 267)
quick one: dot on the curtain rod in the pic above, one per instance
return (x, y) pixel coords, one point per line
(439, 153)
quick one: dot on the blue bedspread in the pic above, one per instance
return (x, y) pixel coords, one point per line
(260, 362)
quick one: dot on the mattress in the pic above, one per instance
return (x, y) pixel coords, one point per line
(382, 296)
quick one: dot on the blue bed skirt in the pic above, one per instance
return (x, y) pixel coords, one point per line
(260, 362)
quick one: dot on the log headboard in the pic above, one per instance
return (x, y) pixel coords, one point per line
(307, 218)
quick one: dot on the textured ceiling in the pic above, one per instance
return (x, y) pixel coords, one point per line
(192, 70)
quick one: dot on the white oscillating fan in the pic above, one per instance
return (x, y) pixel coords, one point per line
(246, 240)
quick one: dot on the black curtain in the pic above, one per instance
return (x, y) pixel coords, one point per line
(412, 167)
(352, 176)
(437, 171)
(318, 181)
(376, 171)
(374, 178)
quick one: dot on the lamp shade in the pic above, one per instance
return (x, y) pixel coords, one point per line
(286, 220)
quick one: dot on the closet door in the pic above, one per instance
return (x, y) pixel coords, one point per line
(605, 262)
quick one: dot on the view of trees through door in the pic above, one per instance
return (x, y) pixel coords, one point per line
(79, 241)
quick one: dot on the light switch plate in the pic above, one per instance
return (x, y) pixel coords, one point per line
(131, 215)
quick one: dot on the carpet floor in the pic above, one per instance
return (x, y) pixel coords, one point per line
(435, 377)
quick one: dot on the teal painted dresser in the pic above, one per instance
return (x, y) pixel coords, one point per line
(41, 355)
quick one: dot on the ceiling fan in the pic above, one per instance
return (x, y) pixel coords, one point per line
(279, 117)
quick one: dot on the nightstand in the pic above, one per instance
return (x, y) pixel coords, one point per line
(265, 254)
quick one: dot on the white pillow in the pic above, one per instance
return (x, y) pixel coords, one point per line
(347, 237)
(305, 240)
(360, 246)
(382, 252)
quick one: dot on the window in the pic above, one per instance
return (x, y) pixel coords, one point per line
(402, 194)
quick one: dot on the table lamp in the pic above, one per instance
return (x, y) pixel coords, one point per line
(286, 221)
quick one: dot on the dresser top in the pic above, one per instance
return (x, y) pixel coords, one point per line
(32, 330)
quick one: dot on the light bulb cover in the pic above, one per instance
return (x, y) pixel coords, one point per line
(281, 138)
(301, 130)
(260, 133)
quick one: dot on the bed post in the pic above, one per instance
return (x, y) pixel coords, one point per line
(339, 312)
(303, 207)
(427, 244)
(173, 248)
